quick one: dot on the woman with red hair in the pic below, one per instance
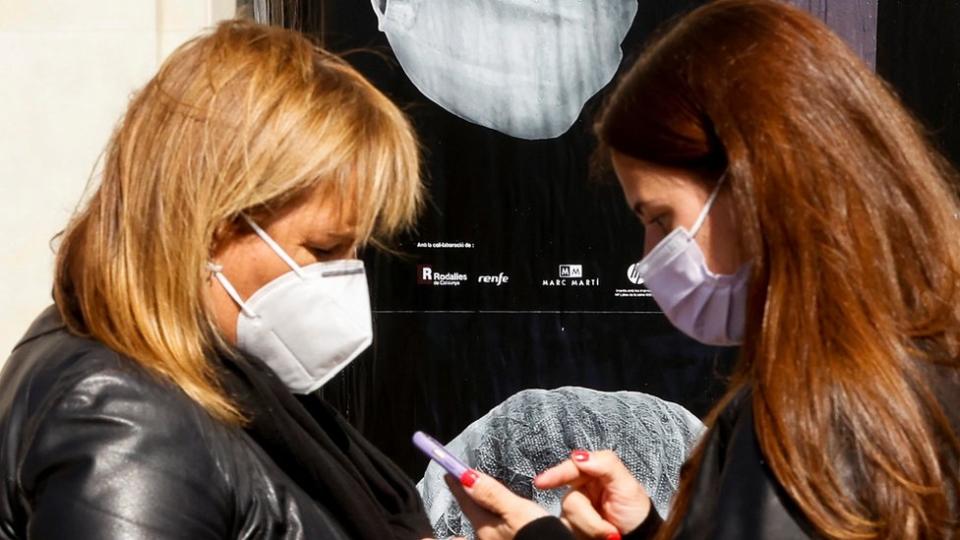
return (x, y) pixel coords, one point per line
(792, 206)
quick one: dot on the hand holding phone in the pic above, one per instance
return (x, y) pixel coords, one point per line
(437, 452)
(489, 505)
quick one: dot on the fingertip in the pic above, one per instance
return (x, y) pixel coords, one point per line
(580, 456)
(564, 473)
(538, 481)
(469, 478)
(550, 480)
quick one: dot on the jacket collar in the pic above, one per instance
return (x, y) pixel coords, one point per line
(48, 321)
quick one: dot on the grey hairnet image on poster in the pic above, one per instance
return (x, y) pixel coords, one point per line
(522, 67)
(536, 429)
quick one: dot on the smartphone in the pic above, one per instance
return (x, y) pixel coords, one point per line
(436, 451)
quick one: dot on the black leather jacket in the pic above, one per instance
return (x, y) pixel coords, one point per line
(93, 446)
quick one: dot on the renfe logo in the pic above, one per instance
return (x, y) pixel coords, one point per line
(571, 270)
(498, 279)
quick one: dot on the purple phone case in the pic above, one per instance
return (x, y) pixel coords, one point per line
(438, 453)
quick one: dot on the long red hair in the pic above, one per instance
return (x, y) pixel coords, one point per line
(849, 218)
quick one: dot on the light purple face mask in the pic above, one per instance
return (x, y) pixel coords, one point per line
(706, 306)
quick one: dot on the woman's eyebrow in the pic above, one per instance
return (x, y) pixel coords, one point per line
(343, 235)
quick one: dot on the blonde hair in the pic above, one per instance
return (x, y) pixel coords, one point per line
(242, 119)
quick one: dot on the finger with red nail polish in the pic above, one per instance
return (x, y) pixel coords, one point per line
(469, 478)
(490, 506)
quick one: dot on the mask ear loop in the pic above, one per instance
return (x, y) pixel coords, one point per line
(706, 209)
(217, 270)
(376, 9)
(274, 246)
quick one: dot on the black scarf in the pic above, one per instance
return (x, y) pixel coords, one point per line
(343, 472)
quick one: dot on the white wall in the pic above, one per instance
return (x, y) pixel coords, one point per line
(67, 69)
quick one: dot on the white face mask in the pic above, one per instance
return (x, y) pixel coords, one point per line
(709, 307)
(522, 67)
(307, 324)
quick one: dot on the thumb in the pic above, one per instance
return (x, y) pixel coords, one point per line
(488, 493)
(477, 515)
(579, 512)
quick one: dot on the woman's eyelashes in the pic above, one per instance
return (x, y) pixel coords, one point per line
(659, 220)
(654, 215)
(327, 251)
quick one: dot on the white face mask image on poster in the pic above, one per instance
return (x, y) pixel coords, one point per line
(522, 67)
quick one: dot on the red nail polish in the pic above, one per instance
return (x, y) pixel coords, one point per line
(469, 478)
(580, 455)
(613, 536)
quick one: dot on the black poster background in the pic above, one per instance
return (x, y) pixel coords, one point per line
(918, 51)
(443, 356)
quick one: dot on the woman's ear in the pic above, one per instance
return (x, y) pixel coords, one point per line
(224, 233)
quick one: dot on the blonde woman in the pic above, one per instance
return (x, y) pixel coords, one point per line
(210, 277)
